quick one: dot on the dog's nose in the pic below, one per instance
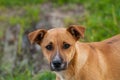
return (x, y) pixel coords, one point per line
(57, 63)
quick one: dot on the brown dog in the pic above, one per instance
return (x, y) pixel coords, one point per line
(73, 60)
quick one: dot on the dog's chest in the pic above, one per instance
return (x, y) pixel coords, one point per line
(64, 76)
(60, 75)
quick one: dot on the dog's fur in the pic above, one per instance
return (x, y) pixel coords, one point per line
(86, 61)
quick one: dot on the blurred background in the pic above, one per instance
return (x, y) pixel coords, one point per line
(19, 60)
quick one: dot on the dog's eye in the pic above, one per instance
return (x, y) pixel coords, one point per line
(66, 46)
(49, 47)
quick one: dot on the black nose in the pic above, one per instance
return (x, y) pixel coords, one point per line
(57, 63)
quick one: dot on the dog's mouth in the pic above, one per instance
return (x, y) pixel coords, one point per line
(58, 67)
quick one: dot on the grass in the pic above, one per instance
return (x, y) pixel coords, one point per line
(12, 3)
(25, 74)
(101, 18)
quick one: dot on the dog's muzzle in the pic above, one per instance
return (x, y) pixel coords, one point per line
(57, 64)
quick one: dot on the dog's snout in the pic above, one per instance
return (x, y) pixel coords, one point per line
(57, 63)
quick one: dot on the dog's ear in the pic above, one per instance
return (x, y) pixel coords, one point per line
(76, 31)
(37, 36)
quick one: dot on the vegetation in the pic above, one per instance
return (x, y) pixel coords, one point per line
(101, 18)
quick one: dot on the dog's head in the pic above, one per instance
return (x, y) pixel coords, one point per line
(58, 44)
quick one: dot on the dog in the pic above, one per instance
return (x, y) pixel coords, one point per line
(74, 60)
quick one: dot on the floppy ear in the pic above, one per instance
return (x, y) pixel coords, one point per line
(76, 31)
(37, 36)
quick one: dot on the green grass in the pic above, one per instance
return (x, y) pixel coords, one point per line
(12, 3)
(101, 19)
(25, 73)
